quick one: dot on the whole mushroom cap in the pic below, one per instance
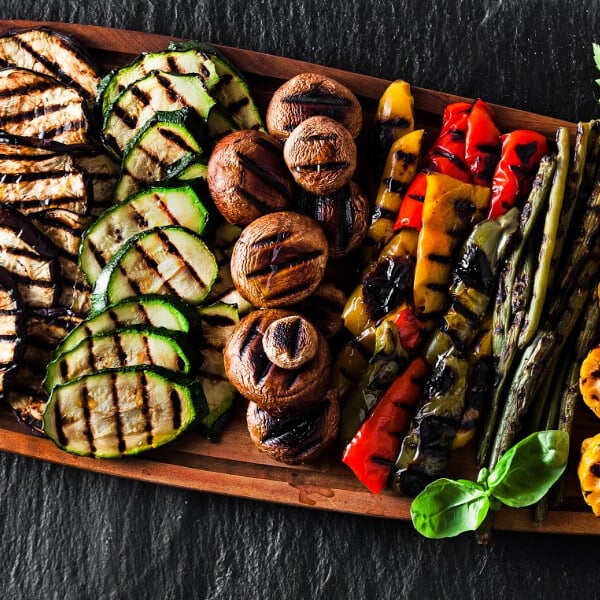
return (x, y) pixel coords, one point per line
(310, 94)
(276, 389)
(321, 155)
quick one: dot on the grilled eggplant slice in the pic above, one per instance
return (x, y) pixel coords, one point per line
(114, 413)
(65, 230)
(103, 173)
(168, 139)
(171, 260)
(11, 328)
(191, 60)
(153, 207)
(44, 329)
(231, 90)
(51, 53)
(30, 185)
(42, 109)
(160, 91)
(217, 322)
(163, 311)
(122, 347)
(30, 258)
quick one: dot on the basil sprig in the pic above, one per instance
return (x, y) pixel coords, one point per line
(521, 477)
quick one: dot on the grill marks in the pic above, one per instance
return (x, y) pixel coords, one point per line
(98, 414)
(37, 106)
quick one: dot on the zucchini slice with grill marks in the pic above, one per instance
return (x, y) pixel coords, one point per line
(123, 347)
(40, 108)
(161, 91)
(192, 60)
(54, 54)
(114, 413)
(217, 322)
(29, 256)
(158, 310)
(231, 90)
(152, 207)
(170, 260)
(11, 328)
(156, 150)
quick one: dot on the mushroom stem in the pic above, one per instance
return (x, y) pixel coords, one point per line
(290, 342)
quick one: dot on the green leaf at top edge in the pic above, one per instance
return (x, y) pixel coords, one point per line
(596, 50)
(530, 468)
(446, 508)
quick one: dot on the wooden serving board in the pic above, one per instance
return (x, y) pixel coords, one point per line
(233, 466)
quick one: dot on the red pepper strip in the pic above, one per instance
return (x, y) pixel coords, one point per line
(411, 209)
(482, 144)
(373, 450)
(445, 156)
(522, 151)
(410, 329)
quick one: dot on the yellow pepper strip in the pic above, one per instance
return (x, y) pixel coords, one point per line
(400, 168)
(403, 246)
(450, 211)
(394, 116)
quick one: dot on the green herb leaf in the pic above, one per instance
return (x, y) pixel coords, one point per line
(529, 469)
(596, 49)
(446, 508)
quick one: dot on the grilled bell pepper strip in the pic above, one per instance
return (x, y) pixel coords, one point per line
(394, 118)
(425, 449)
(387, 283)
(411, 208)
(400, 169)
(482, 144)
(481, 379)
(372, 451)
(520, 157)
(388, 360)
(451, 209)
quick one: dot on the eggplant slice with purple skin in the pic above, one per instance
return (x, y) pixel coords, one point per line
(11, 329)
(51, 53)
(65, 229)
(29, 256)
(41, 109)
(44, 330)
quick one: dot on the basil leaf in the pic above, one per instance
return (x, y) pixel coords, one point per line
(529, 469)
(446, 508)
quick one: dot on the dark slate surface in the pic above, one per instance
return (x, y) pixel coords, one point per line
(68, 534)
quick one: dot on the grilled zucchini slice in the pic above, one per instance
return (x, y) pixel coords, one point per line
(231, 90)
(160, 91)
(162, 311)
(122, 347)
(54, 54)
(168, 139)
(114, 413)
(170, 260)
(217, 322)
(29, 256)
(41, 109)
(191, 60)
(152, 207)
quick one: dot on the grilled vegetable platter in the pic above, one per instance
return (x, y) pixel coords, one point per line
(119, 297)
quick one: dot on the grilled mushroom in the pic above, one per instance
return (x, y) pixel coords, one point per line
(292, 342)
(343, 215)
(321, 155)
(279, 259)
(247, 177)
(295, 438)
(308, 95)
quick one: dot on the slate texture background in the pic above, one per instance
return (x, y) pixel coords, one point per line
(71, 535)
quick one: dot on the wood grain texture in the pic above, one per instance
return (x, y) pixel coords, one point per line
(233, 466)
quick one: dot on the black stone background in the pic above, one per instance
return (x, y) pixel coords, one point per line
(67, 534)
